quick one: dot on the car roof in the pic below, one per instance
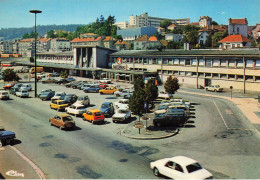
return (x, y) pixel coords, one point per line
(183, 160)
(63, 115)
(107, 103)
(59, 100)
(94, 110)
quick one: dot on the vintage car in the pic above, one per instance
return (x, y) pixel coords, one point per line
(103, 85)
(8, 86)
(69, 84)
(69, 79)
(63, 121)
(215, 88)
(61, 81)
(54, 74)
(85, 86)
(27, 87)
(122, 103)
(164, 95)
(121, 115)
(94, 116)
(76, 109)
(48, 81)
(93, 88)
(107, 109)
(13, 90)
(105, 80)
(177, 107)
(4, 95)
(22, 93)
(124, 92)
(43, 91)
(58, 96)
(171, 118)
(46, 95)
(70, 98)
(108, 90)
(6, 137)
(180, 167)
(59, 105)
(84, 100)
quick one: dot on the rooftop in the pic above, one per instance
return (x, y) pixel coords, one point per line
(235, 38)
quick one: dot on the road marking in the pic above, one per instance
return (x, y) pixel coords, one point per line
(34, 166)
(14, 173)
(221, 115)
(228, 111)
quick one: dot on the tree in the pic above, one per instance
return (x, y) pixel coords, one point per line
(218, 36)
(171, 85)
(191, 33)
(50, 34)
(173, 45)
(214, 23)
(151, 91)
(136, 101)
(10, 75)
(165, 23)
(208, 42)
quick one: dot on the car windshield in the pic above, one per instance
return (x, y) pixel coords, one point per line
(5, 93)
(59, 94)
(63, 102)
(122, 111)
(163, 107)
(193, 167)
(67, 118)
(98, 113)
(104, 106)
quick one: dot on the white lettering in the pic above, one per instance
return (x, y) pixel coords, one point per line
(14, 173)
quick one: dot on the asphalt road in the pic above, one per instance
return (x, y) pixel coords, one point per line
(217, 135)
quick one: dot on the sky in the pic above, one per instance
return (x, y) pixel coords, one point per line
(15, 13)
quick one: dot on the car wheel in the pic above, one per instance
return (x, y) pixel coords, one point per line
(215, 90)
(7, 141)
(206, 89)
(158, 124)
(114, 121)
(50, 123)
(101, 93)
(156, 172)
(92, 122)
(60, 128)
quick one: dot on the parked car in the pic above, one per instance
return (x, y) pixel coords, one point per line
(103, 85)
(180, 167)
(43, 91)
(107, 109)
(71, 79)
(93, 88)
(105, 80)
(70, 83)
(85, 86)
(121, 115)
(118, 87)
(13, 90)
(122, 103)
(174, 108)
(4, 95)
(76, 109)
(172, 118)
(46, 95)
(124, 92)
(70, 98)
(8, 86)
(58, 96)
(164, 95)
(17, 85)
(108, 90)
(215, 88)
(49, 81)
(94, 116)
(63, 121)
(54, 74)
(61, 81)
(59, 105)
(6, 137)
(22, 93)
(84, 100)
(26, 87)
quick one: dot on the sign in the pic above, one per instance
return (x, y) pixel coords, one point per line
(119, 67)
(14, 173)
(139, 124)
(231, 87)
(119, 60)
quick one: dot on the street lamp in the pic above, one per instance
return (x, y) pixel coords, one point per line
(35, 67)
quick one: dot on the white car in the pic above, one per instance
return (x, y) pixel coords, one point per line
(58, 96)
(122, 103)
(164, 95)
(105, 80)
(121, 115)
(180, 167)
(215, 88)
(123, 93)
(22, 93)
(76, 109)
(4, 95)
(26, 87)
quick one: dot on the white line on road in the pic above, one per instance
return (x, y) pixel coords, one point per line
(221, 115)
(34, 166)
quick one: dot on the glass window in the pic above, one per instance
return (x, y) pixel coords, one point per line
(201, 74)
(240, 77)
(145, 60)
(165, 61)
(208, 63)
(160, 72)
(182, 61)
(257, 63)
(231, 76)
(159, 61)
(193, 167)
(257, 78)
(136, 60)
(188, 62)
(170, 72)
(223, 76)
(176, 61)
(240, 63)
(170, 61)
(188, 73)
(214, 75)
(207, 75)
(154, 61)
(182, 73)
(164, 72)
(176, 72)
(249, 78)
(249, 63)
(215, 62)
(231, 63)
(194, 74)
(201, 62)
(194, 62)
(223, 63)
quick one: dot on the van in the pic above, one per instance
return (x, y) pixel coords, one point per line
(4, 95)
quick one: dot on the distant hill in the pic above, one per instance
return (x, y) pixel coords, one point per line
(17, 33)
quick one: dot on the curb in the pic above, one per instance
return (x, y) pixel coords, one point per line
(150, 138)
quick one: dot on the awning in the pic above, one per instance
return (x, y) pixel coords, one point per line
(117, 74)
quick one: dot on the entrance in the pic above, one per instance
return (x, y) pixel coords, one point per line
(207, 82)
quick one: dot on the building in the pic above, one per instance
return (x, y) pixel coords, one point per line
(122, 45)
(6, 47)
(195, 68)
(109, 42)
(44, 45)
(122, 25)
(205, 21)
(88, 35)
(59, 45)
(145, 43)
(238, 26)
(26, 47)
(234, 41)
(174, 37)
(256, 32)
(131, 34)
(209, 30)
(144, 20)
(87, 41)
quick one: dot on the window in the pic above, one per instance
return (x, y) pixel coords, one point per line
(176, 72)
(188, 73)
(154, 61)
(215, 62)
(170, 61)
(257, 78)
(231, 63)
(194, 62)
(178, 168)
(249, 63)
(207, 75)
(182, 61)
(176, 61)
(214, 75)
(208, 63)
(145, 60)
(170, 72)
(164, 72)
(223, 63)
(249, 78)
(194, 74)
(201, 74)
(193, 167)
(231, 76)
(182, 73)
(188, 62)
(240, 63)
(201, 62)
(159, 72)
(159, 61)
(257, 63)
(136, 60)
(240, 77)
(223, 76)
(165, 61)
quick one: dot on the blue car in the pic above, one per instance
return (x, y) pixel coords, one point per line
(94, 88)
(47, 95)
(107, 109)
(69, 79)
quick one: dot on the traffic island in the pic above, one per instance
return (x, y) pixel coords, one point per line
(145, 130)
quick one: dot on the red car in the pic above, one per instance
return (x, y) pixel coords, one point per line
(8, 86)
(103, 85)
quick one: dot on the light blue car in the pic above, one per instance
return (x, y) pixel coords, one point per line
(94, 88)
(22, 93)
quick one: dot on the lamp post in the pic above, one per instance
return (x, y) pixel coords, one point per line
(35, 66)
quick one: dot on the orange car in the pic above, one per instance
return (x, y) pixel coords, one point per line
(94, 115)
(9, 85)
(63, 121)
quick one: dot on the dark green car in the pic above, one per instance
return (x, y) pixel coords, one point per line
(13, 90)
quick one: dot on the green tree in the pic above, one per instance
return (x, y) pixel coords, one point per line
(218, 36)
(136, 101)
(50, 34)
(191, 33)
(64, 74)
(151, 91)
(171, 85)
(165, 23)
(10, 75)
(214, 23)
(173, 45)
(208, 42)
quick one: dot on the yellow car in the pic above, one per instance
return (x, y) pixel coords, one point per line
(59, 105)
(108, 90)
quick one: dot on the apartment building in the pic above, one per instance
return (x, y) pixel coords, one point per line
(6, 47)
(238, 26)
(60, 45)
(26, 47)
(122, 25)
(204, 21)
(144, 20)
(131, 34)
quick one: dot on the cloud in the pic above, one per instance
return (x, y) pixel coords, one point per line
(222, 13)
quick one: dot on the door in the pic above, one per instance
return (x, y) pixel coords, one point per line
(207, 82)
